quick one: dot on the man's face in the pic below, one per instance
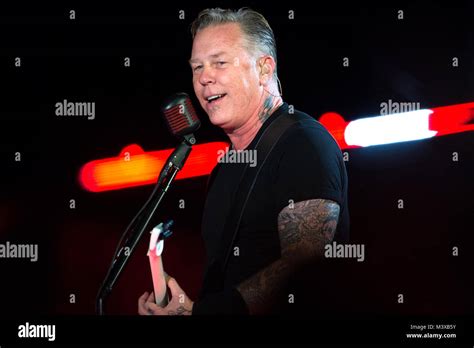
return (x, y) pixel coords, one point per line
(223, 67)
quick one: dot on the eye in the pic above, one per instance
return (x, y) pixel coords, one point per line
(197, 68)
(221, 63)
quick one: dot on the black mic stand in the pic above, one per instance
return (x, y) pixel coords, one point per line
(173, 165)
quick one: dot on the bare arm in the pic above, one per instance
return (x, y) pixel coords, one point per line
(304, 230)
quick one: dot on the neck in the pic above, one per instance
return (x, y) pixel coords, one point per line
(243, 136)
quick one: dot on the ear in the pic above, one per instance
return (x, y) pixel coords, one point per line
(267, 66)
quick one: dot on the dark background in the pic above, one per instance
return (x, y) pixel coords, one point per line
(408, 250)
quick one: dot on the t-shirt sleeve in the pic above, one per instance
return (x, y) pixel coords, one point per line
(310, 166)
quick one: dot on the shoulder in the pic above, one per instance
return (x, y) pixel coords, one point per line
(306, 134)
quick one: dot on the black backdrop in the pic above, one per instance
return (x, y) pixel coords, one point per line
(408, 251)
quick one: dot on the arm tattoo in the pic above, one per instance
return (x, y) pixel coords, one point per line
(304, 229)
(307, 228)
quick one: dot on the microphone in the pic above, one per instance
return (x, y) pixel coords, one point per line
(180, 115)
(181, 119)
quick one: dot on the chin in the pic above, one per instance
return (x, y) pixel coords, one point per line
(215, 115)
(217, 121)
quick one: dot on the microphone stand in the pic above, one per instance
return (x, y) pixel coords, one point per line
(174, 163)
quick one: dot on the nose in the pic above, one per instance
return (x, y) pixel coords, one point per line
(207, 76)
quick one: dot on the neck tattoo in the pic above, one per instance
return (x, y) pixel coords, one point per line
(267, 108)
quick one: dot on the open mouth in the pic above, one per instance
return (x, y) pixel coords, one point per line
(215, 97)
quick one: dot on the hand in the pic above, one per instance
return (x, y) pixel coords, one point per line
(180, 303)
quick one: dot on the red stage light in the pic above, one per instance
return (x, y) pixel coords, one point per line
(134, 167)
(405, 126)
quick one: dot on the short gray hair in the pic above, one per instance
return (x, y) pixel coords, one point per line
(258, 33)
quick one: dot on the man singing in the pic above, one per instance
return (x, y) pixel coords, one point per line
(298, 202)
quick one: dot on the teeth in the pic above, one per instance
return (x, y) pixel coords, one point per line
(211, 98)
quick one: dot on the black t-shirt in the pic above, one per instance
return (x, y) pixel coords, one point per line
(306, 163)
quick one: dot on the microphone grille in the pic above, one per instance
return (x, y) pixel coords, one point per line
(180, 114)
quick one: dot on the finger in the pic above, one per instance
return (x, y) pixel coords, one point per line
(153, 309)
(142, 309)
(174, 288)
(142, 298)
